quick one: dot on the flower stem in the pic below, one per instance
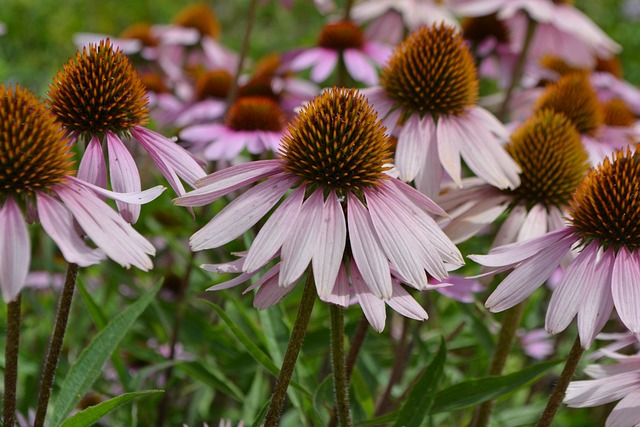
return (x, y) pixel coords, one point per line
(510, 322)
(244, 50)
(561, 386)
(11, 361)
(291, 355)
(518, 69)
(340, 383)
(55, 345)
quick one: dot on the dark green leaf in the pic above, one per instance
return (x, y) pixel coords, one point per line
(214, 379)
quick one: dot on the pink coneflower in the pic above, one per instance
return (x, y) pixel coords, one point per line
(352, 222)
(610, 383)
(553, 161)
(603, 226)
(342, 40)
(428, 98)
(98, 98)
(562, 30)
(36, 178)
(536, 344)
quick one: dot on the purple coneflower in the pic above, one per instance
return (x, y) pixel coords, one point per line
(98, 98)
(357, 226)
(36, 177)
(604, 226)
(428, 98)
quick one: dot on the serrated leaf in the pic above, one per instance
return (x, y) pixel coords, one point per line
(422, 395)
(475, 391)
(92, 414)
(89, 365)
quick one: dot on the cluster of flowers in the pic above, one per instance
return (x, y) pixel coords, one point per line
(554, 164)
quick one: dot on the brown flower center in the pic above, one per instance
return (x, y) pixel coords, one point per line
(213, 84)
(340, 36)
(478, 29)
(97, 91)
(556, 64)
(337, 142)
(200, 17)
(432, 71)
(255, 113)
(553, 161)
(618, 113)
(141, 32)
(606, 206)
(574, 97)
(611, 65)
(34, 155)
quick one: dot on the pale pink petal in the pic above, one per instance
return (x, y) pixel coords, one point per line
(340, 294)
(597, 306)
(332, 239)
(402, 302)
(323, 69)
(220, 183)
(411, 151)
(269, 275)
(307, 59)
(227, 267)
(535, 223)
(383, 106)
(627, 411)
(300, 245)
(528, 276)
(625, 288)
(359, 67)
(270, 293)
(108, 230)
(568, 295)
(418, 198)
(429, 177)
(15, 250)
(241, 214)
(379, 52)
(124, 176)
(508, 231)
(58, 223)
(366, 249)
(238, 280)
(584, 394)
(449, 141)
(92, 167)
(372, 306)
(485, 211)
(137, 198)
(274, 232)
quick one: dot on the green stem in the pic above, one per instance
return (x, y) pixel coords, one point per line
(244, 50)
(340, 382)
(518, 69)
(561, 386)
(55, 346)
(510, 322)
(11, 361)
(291, 355)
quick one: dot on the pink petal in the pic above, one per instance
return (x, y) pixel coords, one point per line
(332, 239)
(307, 59)
(58, 223)
(535, 223)
(340, 293)
(372, 306)
(323, 68)
(508, 231)
(416, 197)
(302, 242)
(274, 232)
(137, 198)
(270, 293)
(429, 177)
(92, 167)
(625, 288)
(15, 250)
(124, 176)
(449, 141)
(597, 306)
(413, 142)
(584, 394)
(402, 302)
(241, 214)
(627, 411)
(359, 67)
(366, 249)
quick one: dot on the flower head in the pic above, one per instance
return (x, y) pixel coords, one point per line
(36, 175)
(361, 230)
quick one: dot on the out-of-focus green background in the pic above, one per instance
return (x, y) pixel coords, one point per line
(39, 32)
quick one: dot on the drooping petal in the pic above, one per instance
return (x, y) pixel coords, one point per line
(417, 197)
(58, 223)
(270, 293)
(359, 67)
(332, 239)
(323, 68)
(372, 306)
(340, 294)
(627, 411)
(366, 249)
(137, 198)
(239, 215)
(300, 245)
(402, 302)
(535, 223)
(625, 288)
(597, 306)
(15, 250)
(413, 142)
(92, 167)
(124, 176)
(449, 141)
(508, 232)
(429, 178)
(587, 393)
(274, 232)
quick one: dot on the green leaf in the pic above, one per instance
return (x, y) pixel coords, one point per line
(423, 394)
(93, 413)
(475, 391)
(88, 367)
(214, 379)
(253, 349)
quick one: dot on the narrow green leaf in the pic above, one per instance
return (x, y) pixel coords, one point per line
(253, 349)
(382, 420)
(88, 367)
(475, 391)
(214, 379)
(93, 413)
(422, 395)
(480, 330)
